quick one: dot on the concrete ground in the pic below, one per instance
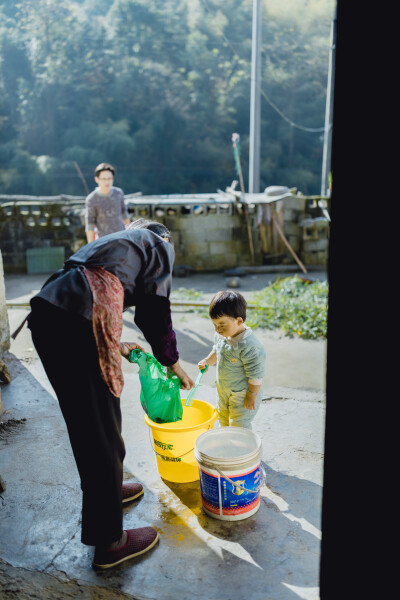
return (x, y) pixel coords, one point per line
(272, 555)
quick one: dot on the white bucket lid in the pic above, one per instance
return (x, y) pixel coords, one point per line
(227, 444)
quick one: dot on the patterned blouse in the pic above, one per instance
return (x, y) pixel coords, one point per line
(108, 299)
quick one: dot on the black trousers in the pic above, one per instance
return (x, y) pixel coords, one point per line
(66, 346)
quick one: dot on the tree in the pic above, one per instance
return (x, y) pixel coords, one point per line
(157, 89)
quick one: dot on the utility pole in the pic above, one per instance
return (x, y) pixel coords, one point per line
(326, 154)
(254, 142)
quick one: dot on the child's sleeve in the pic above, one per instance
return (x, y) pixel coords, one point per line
(215, 342)
(253, 358)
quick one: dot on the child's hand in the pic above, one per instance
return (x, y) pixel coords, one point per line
(250, 401)
(208, 361)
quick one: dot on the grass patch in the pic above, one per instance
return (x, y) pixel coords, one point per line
(186, 295)
(190, 295)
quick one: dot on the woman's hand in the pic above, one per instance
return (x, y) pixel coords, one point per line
(187, 382)
(126, 348)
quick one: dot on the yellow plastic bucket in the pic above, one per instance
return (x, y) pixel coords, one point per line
(173, 443)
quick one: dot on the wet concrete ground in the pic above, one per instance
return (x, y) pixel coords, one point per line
(272, 555)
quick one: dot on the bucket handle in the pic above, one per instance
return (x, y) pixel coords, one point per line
(237, 486)
(184, 454)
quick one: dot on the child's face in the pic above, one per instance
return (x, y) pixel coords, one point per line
(228, 326)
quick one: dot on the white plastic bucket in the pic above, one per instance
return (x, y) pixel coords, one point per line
(231, 473)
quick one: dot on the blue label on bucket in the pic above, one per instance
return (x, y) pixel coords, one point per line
(217, 492)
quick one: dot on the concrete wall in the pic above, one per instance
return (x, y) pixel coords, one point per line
(28, 222)
(210, 237)
(4, 324)
(210, 231)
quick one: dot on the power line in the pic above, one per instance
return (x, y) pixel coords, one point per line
(270, 102)
(309, 129)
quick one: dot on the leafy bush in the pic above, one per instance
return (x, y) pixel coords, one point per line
(296, 306)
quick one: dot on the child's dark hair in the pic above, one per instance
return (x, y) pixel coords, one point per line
(229, 304)
(153, 226)
(103, 167)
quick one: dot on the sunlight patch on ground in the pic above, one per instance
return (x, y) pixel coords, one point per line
(217, 545)
(283, 507)
(311, 593)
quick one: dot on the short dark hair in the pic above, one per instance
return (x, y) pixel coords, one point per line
(103, 167)
(153, 226)
(229, 304)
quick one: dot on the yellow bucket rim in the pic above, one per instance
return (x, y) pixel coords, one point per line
(161, 426)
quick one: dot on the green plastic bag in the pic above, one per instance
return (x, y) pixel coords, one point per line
(160, 394)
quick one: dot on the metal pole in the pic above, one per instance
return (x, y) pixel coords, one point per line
(254, 142)
(326, 155)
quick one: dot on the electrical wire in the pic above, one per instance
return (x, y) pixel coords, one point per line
(272, 104)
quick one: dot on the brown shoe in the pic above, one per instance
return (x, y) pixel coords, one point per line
(139, 541)
(131, 491)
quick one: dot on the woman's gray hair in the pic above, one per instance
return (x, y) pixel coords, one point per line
(153, 226)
